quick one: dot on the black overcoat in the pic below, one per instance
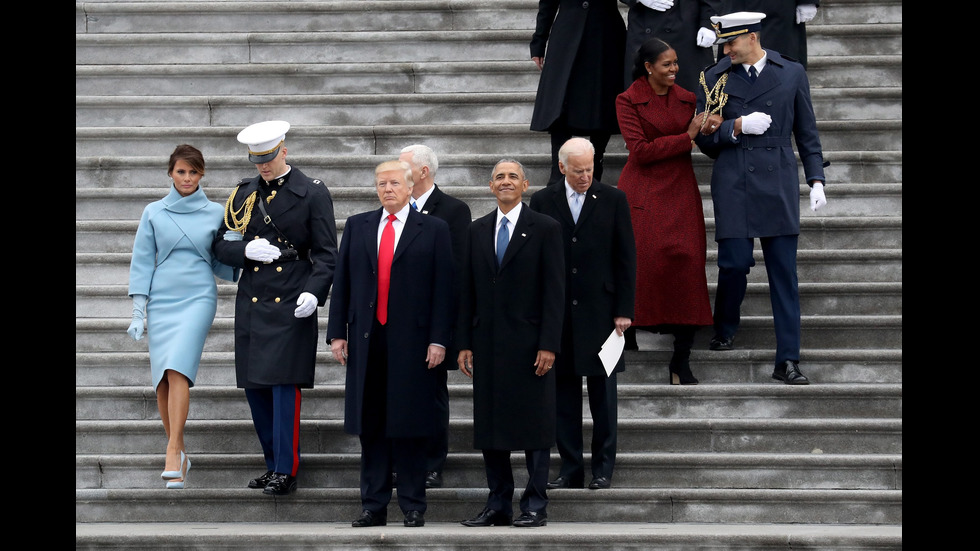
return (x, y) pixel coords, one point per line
(456, 213)
(780, 31)
(582, 44)
(677, 26)
(600, 268)
(272, 346)
(419, 313)
(506, 316)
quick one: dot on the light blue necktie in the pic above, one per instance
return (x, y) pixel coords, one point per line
(503, 237)
(414, 206)
(576, 206)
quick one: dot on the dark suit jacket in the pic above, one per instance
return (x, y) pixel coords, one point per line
(419, 313)
(457, 214)
(506, 316)
(600, 268)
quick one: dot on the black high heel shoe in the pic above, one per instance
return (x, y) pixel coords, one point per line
(681, 375)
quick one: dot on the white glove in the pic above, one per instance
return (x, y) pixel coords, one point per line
(260, 250)
(136, 326)
(706, 37)
(817, 197)
(305, 305)
(659, 5)
(805, 12)
(755, 123)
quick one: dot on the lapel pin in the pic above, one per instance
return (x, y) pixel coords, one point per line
(523, 235)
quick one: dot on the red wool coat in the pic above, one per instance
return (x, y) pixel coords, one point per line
(665, 206)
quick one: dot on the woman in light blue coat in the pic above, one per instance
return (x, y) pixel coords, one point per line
(171, 281)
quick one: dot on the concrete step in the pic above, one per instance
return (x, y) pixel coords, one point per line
(720, 435)
(455, 170)
(846, 265)
(156, 46)
(636, 401)
(836, 136)
(877, 297)
(856, 216)
(476, 108)
(466, 470)
(646, 366)
(180, 79)
(451, 536)
(451, 505)
(287, 16)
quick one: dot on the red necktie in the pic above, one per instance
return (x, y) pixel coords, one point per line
(385, 254)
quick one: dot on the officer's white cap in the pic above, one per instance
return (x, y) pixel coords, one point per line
(264, 140)
(729, 27)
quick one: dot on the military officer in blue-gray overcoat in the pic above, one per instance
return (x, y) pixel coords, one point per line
(764, 101)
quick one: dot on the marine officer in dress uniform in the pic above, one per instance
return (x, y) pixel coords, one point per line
(764, 100)
(279, 227)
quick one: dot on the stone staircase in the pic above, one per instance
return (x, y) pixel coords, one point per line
(737, 462)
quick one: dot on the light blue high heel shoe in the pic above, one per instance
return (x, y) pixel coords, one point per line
(170, 475)
(179, 484)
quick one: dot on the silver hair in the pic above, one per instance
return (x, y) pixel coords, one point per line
(575, 146)
(422, 155)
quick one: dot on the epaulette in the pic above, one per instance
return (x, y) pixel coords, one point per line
(784, 56)
(243, 181)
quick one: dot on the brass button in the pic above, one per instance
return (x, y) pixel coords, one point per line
(278, 268)
(256, 237)
(277, 299)
(255, 299)
(255, 269)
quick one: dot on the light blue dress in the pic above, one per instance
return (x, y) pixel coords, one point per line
(173, 266)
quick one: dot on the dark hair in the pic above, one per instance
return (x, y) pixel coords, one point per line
(190, 155)
(648, 51)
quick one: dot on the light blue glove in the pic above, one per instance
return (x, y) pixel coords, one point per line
(136, 327)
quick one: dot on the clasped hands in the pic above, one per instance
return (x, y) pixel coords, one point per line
(543, 363)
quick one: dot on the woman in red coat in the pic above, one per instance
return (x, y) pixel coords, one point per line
(657, 120)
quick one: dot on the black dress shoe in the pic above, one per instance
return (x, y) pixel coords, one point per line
(368, 518)
(433, 479)
(789, 373)
(414, 519)
(280, 485)
(530, 519)
(722, 343)
(261, 481)
(488, 517)
(600, 483)
(565, 482)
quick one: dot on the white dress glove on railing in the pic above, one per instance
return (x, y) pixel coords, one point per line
(659, 5)
(817, 197)
(805, 12)
(136, 326)
(305, 305)
(260, 250)
(706, 37)
(755, 123)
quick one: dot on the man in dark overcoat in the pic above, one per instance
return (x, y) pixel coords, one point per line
(578, 46)
(429, 199)
(755, 185)
(279, 227)
(391, 341)
(600, 285)
(684, 24)
(512, 302)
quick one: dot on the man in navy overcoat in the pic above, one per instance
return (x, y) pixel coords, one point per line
(755, 184)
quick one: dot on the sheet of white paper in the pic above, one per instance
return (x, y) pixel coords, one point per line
(611, 350)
